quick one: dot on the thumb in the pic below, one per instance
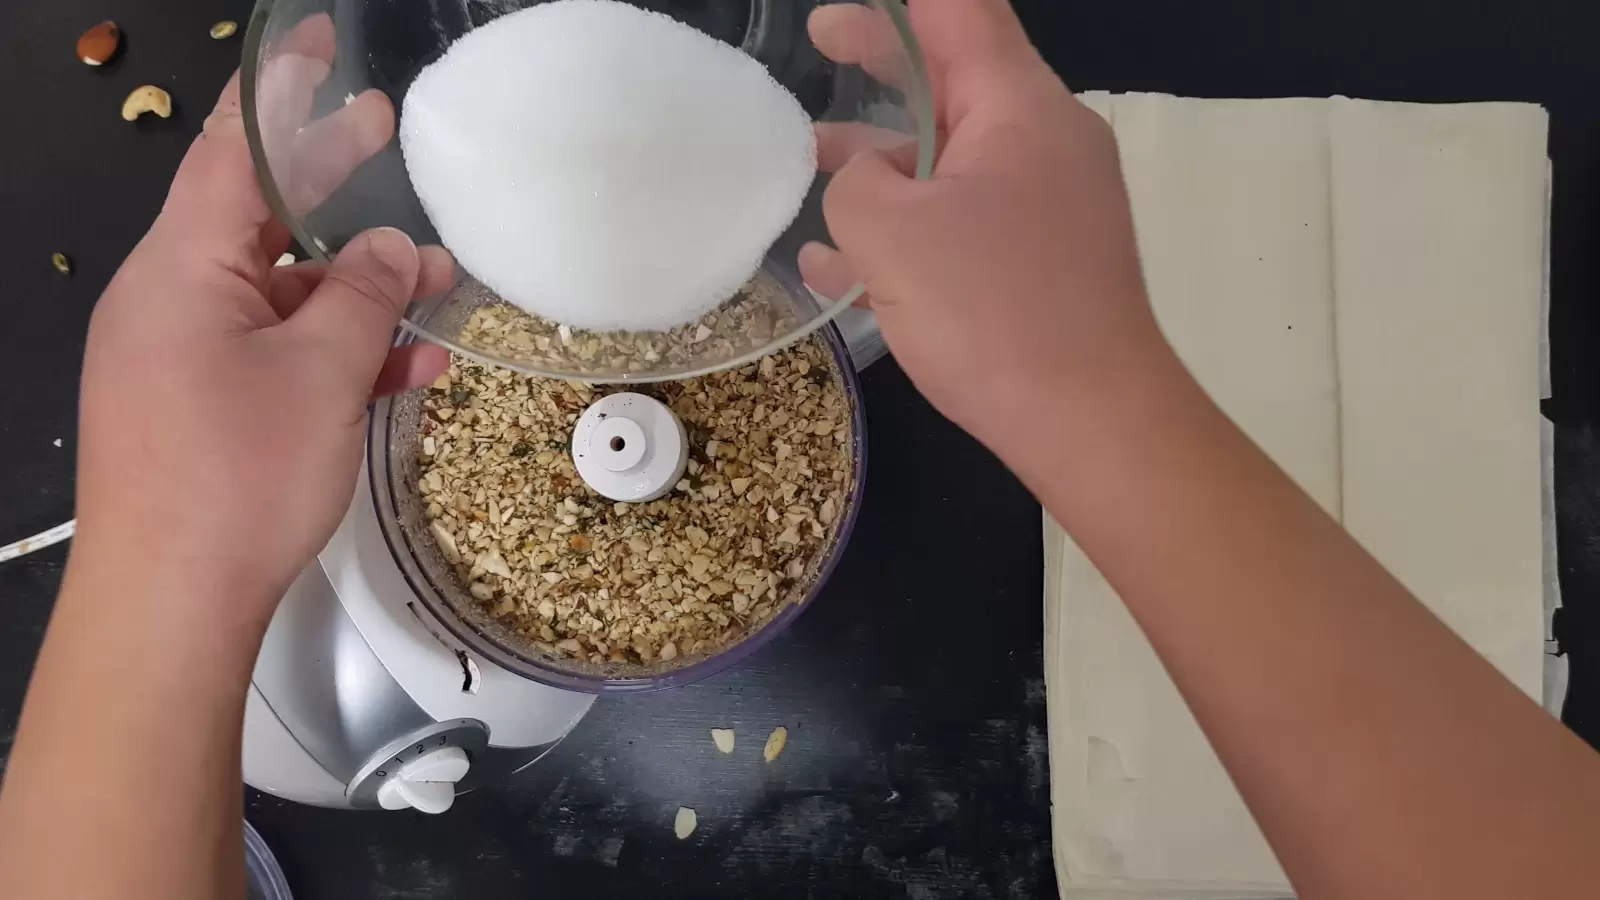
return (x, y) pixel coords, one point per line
(361, 298)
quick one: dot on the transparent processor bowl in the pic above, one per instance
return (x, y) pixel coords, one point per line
(309, 65)
(393, 469)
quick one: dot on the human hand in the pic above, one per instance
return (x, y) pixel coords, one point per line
(1014, 266)
(224, 399)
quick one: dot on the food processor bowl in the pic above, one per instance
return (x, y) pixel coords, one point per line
(393, 469)
(307, 68)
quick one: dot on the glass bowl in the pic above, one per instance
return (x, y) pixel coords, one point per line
(392, 465)
(317, 137)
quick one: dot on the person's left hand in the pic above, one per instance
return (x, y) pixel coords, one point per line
(224, 400)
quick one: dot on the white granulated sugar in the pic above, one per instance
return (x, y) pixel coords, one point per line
(603, 166)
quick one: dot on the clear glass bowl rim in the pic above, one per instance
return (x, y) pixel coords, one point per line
(919, 98)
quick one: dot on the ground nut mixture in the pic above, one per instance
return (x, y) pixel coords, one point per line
(760, 311)
(587, 579)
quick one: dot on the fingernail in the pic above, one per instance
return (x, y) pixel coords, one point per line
(394, 249)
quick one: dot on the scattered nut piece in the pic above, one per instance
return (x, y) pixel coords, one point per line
(147, 99)
(683, 825)
(97, 45)
(723, 738)
(61, 262)
(224, 30)
(775, 743)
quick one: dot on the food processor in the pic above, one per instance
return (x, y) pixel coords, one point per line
(373, 689)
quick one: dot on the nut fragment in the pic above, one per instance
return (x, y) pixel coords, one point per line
(61, 262)
(723, 738)
(447, 542)
(224, 30)
(750, 320)
(683, 824)
(147, 99)
(97, 45)
(775, 743)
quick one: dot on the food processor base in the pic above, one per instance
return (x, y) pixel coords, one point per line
(360, 700)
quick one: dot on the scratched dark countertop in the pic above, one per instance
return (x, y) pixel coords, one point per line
(913, 690)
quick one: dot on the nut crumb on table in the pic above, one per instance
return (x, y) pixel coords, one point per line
(683, 824)
(604, 583)
(776, 741)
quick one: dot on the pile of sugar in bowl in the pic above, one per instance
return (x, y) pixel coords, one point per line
(603, 166)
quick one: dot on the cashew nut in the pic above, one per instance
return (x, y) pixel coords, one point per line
(147, 98)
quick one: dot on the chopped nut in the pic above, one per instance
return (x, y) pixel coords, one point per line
(627, 585)
(723, 738)
(62, 263)
(494, 563)
(224, 30)
(147, 99)
(775, 743)
(760, 310)
(447, 542)
(684, 823)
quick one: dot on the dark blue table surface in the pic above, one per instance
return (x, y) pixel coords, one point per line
(913, 691)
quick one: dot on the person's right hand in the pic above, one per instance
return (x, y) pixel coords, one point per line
(1014, 266)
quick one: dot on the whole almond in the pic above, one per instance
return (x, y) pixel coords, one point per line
(99, 44)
